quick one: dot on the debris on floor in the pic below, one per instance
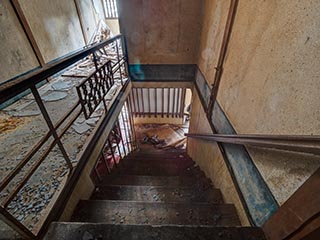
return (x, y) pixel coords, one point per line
(161, 136)
(62, 85)
(9, 124)
(55, 96)
(22, 125)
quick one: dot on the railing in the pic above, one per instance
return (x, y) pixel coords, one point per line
(304, 144)
(120, 143)
(111, 9)
(92, 92)
(158, 102)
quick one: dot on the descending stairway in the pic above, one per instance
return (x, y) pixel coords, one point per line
(160, 195)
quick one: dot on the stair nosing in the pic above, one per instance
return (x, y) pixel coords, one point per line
(160, 203)
(151, 186)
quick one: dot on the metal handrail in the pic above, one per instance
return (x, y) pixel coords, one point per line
(296, 143)
(14, 86)
(27, 81)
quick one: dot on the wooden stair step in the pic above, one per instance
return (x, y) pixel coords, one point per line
(141, 180)
(155, 213)
(157, 169)
(158, 194)
(158, 159)
(168, 156)
(75, 231)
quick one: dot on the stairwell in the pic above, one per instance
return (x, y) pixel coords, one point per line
(155, 195)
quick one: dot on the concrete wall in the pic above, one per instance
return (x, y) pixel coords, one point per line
(55, 26)
(207, 155)
(270, 81)
(161, 31)
(88, 18)
(215, 14)
(113, 24)
(16, 54)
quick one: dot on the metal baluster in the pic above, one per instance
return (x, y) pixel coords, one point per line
(119, 129)
(168, 110)
(162, 103)
(50, 125)
(138, 102)
(126, 113)
(112, 153)
(119, 62)
(132, 127)
(142, 102)
(125, 130)
(155, 102)
(149, 102)
(105, 161)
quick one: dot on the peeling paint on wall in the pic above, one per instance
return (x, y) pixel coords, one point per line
(257, 196)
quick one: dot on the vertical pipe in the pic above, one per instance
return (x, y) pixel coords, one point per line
(222, 55)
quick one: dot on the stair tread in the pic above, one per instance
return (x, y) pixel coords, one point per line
(129, 212)
(136, 180)
(158, 193)
(102, 231)
(158, 159)
(158, 169)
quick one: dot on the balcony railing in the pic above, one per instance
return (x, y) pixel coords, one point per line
(29, 211)
(158, 102)
(111, 9)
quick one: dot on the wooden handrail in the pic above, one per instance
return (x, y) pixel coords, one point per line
(296, 143)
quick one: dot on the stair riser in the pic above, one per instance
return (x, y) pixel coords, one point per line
(156, 213)
(158, 194)
(71, 231)
(133, 180)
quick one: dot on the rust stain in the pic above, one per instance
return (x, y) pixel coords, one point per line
(10, 124)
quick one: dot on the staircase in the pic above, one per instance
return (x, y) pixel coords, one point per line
(154, 195)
